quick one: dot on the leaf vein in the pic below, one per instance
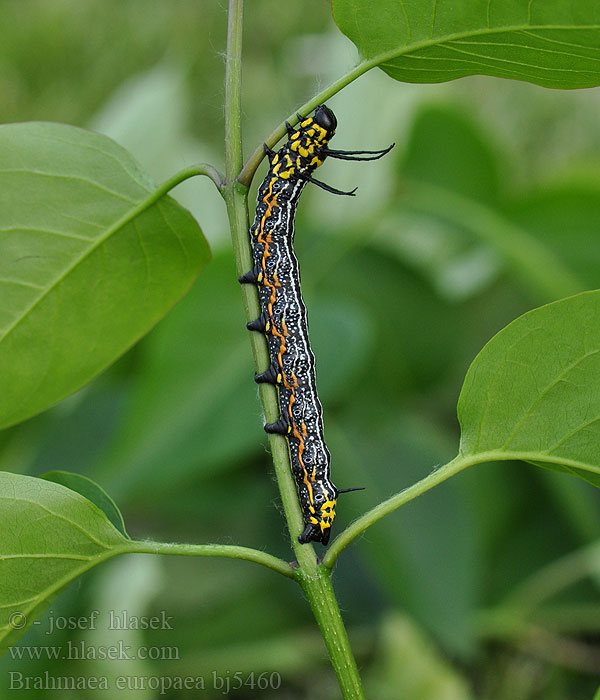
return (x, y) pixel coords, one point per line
(19, 283)
(557, 41)
(174, 232)
(451, 47)
(12, 499)
(75, 557)
(17, 602)
(543, 393)
(134, 175)
(75, 178)
(32, 229)
(568, 436)
(110, 231)
(522, 46)
(433, 14)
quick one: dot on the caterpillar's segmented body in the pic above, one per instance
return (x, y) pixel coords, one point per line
(283, 318)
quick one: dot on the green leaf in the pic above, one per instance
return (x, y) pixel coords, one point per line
(551, 43)
(49, 535)
(533, 392)
(89, 261)
(90, 490)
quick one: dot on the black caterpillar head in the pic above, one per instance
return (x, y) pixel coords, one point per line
(325, 118)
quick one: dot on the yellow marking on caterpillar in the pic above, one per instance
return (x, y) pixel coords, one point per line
(322, 133)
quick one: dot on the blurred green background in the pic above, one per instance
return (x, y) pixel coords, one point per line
(486, 587)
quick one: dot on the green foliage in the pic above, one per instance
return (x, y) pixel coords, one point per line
(564, 217)
(90, 490)
(531, 393)
(88, 261)
(444, 245)
(554, 44)
(407, 665)
(49, 535)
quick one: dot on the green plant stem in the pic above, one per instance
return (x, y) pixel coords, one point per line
(320, 594)
(191, 171)
(236, 198)
(165, 188)
(213, 550)
(312, 577)
(233, 91)
(247, 173)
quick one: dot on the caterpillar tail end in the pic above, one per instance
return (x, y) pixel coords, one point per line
(313, 533)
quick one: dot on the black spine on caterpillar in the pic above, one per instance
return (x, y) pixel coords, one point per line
(283, 318)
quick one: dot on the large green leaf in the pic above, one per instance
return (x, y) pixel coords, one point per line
(49, 535)
(533, 392)
(88, 263)
(551, 43)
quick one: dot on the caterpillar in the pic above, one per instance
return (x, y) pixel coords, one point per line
(283, 316)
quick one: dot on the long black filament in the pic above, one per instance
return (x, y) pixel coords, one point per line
(350, 155)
